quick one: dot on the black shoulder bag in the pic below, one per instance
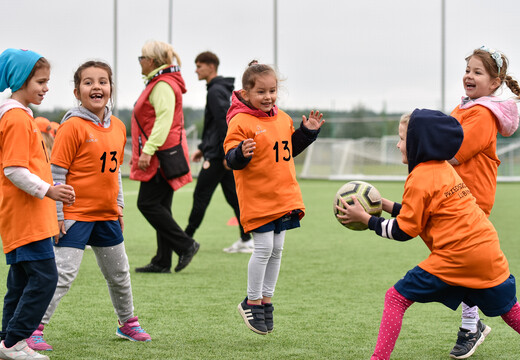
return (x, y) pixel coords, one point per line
(172, 160)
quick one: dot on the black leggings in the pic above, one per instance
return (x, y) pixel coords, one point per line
(207, 182)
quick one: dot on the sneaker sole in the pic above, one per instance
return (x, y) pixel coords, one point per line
(36, 349)
(244, 317)
(486, 331)
(479, 341)
(124, 336)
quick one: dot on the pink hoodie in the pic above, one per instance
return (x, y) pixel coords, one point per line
(238, 106)
(13, 104)
(505, 111)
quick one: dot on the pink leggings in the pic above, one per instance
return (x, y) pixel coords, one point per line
(393, 312)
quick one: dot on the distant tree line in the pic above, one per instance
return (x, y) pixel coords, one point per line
(357, 123)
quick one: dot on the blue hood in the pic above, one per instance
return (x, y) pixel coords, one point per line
(432, 135)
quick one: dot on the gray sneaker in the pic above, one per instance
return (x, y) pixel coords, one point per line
(467, 342)
(240, 246)
(20, 351)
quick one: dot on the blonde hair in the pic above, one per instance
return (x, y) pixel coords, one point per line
(405, 118)
(160, 52)
(48, 139)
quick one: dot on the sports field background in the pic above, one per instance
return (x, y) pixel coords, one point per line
(328, 302)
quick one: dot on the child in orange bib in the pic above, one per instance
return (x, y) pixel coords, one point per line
(260, 145)
(27, 210)
(482, 115)
(466, 262)
(87, 154)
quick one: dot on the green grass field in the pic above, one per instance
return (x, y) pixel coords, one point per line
(329, 296)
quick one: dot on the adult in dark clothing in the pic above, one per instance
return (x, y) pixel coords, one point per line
(213, 170)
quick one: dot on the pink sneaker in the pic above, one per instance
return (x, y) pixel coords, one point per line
(132, 331)
(36, 340)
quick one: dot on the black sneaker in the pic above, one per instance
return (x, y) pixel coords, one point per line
(153, 268)
(186, 258)
(467, 343)
(253, 316)
(268, 315)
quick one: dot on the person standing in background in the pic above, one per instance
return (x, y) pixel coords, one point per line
(213, 170)
(158, 124)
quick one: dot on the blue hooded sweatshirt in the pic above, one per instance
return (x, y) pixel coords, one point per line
(431, 135)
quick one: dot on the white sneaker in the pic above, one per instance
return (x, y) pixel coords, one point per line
(20, 351)
(240, 246)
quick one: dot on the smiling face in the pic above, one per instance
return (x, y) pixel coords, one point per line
(477, 81)
(401, 145)
(263, 94)
(94, 90)
(35, 89)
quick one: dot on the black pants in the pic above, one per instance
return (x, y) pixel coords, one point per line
(207, 182)
(30, 287)
(155, 203)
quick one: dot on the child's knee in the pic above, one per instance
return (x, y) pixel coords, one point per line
(394, 298)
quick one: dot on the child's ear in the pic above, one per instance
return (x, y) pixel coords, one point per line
(244, 94)
(496, 84)
(76, 93)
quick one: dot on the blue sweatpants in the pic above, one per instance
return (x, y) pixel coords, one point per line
(30, 287)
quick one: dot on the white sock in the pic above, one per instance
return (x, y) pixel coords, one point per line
(469, 324)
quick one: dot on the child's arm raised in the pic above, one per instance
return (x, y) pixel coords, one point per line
(314, 122)
(307, 133)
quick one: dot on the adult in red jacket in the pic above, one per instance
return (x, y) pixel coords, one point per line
(157, 124)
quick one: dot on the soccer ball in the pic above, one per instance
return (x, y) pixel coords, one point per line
(366, 194)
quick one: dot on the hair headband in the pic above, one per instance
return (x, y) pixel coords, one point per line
(497, 56)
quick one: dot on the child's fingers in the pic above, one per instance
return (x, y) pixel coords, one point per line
(345, 204)
(341, 209)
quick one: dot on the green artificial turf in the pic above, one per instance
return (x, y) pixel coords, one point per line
(328, 301)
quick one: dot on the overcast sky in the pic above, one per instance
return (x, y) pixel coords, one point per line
(332, 54)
